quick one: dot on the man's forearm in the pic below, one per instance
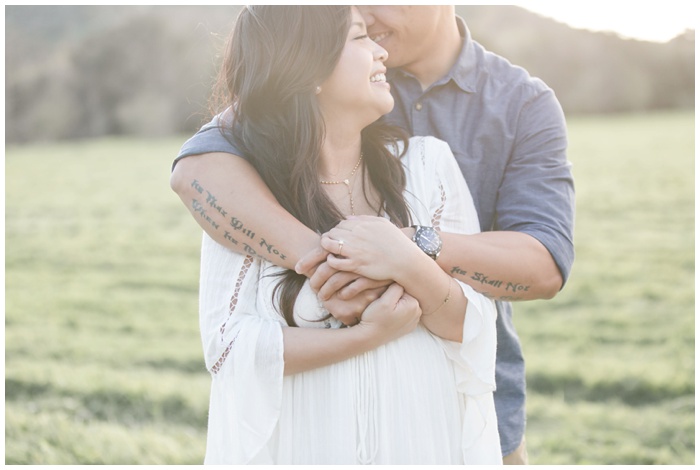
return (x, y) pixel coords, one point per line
(231, 203)
(508, 266)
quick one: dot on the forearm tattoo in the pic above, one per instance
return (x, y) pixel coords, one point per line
(235, 232)
(510, 291)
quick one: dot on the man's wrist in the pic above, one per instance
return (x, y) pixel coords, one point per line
(428, 240)
(409, 232)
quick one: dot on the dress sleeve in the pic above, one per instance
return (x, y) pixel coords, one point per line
(244, 352)
(452, 210)
(474, 359)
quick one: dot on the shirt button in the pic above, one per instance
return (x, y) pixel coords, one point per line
(419, 106)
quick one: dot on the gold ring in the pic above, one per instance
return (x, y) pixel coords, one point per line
(340, 247)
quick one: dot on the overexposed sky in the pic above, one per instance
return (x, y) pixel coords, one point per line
(651, 21)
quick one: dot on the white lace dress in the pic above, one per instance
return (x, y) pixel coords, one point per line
(417, 400)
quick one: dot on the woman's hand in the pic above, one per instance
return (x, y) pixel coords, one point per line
(349, 312)
(370, 246)
(392, 315)
(329, 282)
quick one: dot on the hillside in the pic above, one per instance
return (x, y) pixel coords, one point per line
(80, 71)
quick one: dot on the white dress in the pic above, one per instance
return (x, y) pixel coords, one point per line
(417, 400)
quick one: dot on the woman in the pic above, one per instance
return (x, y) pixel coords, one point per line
(412, 381)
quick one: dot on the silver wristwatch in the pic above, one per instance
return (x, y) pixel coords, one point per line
(428, 239)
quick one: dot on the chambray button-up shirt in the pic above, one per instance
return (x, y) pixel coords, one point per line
(508, 134)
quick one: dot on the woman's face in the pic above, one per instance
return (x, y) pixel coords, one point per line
(357, 88)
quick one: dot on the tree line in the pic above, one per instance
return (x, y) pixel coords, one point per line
(86, 71)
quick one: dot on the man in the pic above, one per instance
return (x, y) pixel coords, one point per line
(508, 134)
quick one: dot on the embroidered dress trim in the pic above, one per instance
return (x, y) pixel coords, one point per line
(232, 307)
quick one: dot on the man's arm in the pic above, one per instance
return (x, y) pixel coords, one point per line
(229, 200)
(529, 253)
(506, 266)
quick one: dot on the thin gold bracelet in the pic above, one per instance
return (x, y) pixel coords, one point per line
(447, 299)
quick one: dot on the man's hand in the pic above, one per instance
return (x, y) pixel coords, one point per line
(309, 263)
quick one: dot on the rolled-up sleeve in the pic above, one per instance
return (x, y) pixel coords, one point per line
(537, 192)
(212, 137)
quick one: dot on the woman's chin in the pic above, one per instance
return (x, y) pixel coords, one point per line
(386, 107)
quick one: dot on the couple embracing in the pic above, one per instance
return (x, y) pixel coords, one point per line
(379, 188)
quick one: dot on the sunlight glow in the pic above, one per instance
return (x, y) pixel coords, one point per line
(650, 21)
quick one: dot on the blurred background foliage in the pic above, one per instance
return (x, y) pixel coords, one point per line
(88, 71)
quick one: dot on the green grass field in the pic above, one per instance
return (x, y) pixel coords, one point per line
(103, 362)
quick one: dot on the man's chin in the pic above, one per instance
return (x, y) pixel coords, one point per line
(392, 64)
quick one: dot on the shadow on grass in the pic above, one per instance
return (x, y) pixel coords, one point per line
(125, 407)
(17, 389)
(628, 390)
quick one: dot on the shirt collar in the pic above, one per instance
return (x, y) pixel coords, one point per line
(463, 72)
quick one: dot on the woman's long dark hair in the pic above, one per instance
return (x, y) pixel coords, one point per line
(276, 57)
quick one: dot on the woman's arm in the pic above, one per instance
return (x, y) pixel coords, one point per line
(392, 315)
(238, 321)
(248, 350)
(229, 200)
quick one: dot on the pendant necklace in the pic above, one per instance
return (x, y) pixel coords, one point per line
(346, 182)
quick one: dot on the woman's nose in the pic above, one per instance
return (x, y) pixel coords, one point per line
(380, 53)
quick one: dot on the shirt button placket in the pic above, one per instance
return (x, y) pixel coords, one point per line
(420, 120)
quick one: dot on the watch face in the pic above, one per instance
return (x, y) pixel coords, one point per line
(429, 240)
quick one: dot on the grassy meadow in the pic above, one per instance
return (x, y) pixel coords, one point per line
(103, 363)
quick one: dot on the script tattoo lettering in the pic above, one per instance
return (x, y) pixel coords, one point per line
(484, 279)
(238, 225)
(271, 248)
(197, 186)
(458, 270)
(227, 236)
(515, 287)
(208, 200)
(199, 209)
(211, 200)
(508, 298)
